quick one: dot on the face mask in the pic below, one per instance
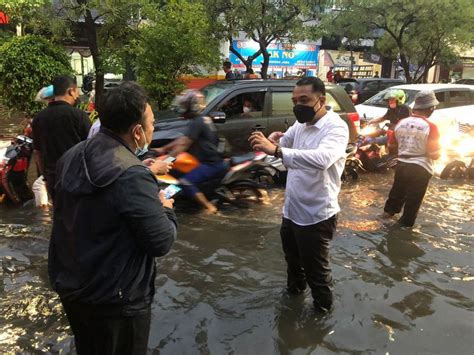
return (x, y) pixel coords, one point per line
(247, 109)
(140, 151)
(305, 113)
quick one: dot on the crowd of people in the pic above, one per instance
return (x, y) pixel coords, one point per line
(111, 220)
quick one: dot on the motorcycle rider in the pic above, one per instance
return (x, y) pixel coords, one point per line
(396, 111)
(396, 108)
(201, 140)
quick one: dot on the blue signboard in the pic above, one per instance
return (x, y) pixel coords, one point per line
(281, 54)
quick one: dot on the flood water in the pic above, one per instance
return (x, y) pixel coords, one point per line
(221, 289)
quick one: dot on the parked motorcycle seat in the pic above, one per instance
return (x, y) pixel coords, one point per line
(239, 159)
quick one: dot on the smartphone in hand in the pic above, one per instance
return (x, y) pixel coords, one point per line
(171, 190)
(258, 128)
(170, 159)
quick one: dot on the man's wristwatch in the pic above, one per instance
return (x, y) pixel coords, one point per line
(278, 153)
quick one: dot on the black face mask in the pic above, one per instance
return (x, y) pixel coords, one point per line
(305, 113)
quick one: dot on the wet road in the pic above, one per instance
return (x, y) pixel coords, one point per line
(221, 288)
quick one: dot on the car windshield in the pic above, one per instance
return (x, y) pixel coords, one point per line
(349, 85)
(379, 99)
(212, 91)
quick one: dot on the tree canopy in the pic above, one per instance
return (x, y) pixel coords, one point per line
(264, 22)
(418, 33)
(176, 40)
(25, 13)
(21, 80)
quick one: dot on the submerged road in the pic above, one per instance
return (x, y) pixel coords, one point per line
(220, 290)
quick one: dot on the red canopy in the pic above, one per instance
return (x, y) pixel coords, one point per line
(4, 19)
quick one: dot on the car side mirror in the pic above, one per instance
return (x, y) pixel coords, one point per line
(218, 116)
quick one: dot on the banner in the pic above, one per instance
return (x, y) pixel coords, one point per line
(281, 54)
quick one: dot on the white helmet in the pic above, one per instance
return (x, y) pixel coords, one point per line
(189, 101)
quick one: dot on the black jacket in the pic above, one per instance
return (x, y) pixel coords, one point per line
(56, 129)
(109, 224)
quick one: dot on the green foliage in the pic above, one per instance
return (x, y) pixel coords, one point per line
(26, 65)
(175, 41)
(26, 13)
(418, 32)
(5, 36)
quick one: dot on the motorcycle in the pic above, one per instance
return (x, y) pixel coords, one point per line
(14, 164)
(237, 186)
(457, 157)
(274, 173)
(353, 164)
(371, 149)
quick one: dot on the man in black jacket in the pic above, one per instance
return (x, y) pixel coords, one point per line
(110, 221)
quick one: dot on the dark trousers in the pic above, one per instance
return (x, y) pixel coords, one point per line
(50, 182)
(409, 188)
(306, 251)
(104, 330)
(202, 173)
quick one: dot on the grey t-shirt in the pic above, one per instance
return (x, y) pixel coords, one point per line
(203, 133)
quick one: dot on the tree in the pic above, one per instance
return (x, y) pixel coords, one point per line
(420, 33)
(24, 13)
(106, 25)
(263, 21)
(176, 41)
(23, 75)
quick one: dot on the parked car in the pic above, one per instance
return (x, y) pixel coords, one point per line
(362, 89)
(456, 103)
(269, 109)
(466, 81)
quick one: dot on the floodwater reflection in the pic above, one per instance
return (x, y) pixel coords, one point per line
(221, 289)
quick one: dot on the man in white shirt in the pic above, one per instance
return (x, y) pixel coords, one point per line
(313, 151)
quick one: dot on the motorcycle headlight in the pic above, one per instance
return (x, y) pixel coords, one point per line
(368, 130)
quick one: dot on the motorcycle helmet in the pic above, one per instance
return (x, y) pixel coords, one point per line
(45, 94)
(398, 95)
(190, 101)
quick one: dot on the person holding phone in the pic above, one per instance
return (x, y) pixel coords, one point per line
(313, 151)
(159, 167)
(201, 140)
(110, 222)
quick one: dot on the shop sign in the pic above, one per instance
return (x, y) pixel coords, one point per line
(281, 54)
